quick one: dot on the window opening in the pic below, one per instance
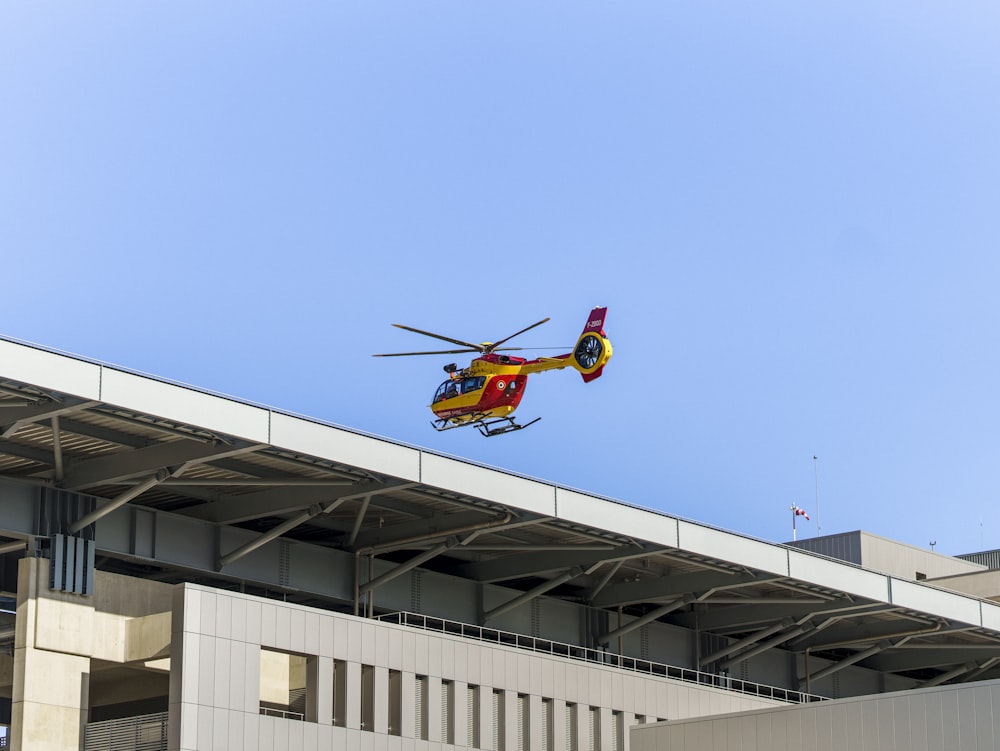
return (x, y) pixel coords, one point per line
(472, 717)
(546, 723)
(498, 719)
(594, 729)
(447, 712)
(282, 684)
(523, 736)
(571, 715)
(617, 731)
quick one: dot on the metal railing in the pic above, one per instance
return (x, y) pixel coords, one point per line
(286, 713)
(609, 659)
(146, 732)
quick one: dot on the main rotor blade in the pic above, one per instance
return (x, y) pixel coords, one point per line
(529, 328)
(475, 347)
(439, 352)
(512, 349)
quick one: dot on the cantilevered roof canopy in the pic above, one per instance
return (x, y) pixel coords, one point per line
(228, 479)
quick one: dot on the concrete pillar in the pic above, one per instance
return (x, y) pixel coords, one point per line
(51, 688)
(434, 709)
(408, 709)
(460, 715)
(381, 708)
(353, 699)
(486, 739)
(559, 710)
(510, 721)
(605, 728)
(536, 728)
(319, 690)
(583, 726)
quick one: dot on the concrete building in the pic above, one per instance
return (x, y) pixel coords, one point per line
(189, 571)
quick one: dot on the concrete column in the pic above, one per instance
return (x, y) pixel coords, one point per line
(50, 696)
(381, 708)
(408, 709)
(510, 720)
(486, 740)
(605, 728)
(319, 690)
(559, 710)
(536, 728)
(353, 699)
(461, 714)
(583, 726)
(434, 708)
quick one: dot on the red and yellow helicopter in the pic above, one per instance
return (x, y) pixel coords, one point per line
(487, 392)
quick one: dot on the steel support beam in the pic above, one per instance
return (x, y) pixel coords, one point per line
(864, 654)
(764, 615)
(641, 621)
(57, 455)
(12, 547)
(274, 502)
(408, 566)
(101, 511)
(764, 646)
(531, 594)
(983, 667)
(38, 412)
(521, 566)
(932, 656)
(745, 642)
(124, 465)
(277, 531)
(948, 675)
(358, 521)
(409, 542)
(612, 570)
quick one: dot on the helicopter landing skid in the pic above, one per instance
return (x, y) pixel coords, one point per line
(486, 427)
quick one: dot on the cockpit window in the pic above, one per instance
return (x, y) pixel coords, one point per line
(458, 386)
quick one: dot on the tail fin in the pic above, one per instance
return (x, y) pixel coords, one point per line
(595, 321)
(593, 350)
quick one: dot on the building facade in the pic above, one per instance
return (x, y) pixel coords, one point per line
(183, 570)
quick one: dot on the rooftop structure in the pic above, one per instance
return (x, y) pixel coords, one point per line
(110, 473)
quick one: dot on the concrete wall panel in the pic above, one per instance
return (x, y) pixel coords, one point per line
(729, 547)
(961, 717)
(488, 484)
(991, 615)
(69, 375)
(216, 690)
(616, 517)
(343, 446)
(837, 576)
(183, 404)
(918, 597)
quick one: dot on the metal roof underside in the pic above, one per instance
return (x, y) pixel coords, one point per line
(58, 440)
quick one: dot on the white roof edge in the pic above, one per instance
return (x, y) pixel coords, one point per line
(120, 387)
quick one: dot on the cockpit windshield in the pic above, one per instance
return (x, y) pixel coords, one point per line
(457, 386)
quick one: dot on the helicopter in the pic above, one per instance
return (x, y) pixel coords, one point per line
(486, 392)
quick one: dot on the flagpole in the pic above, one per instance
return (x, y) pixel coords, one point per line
(819, 527)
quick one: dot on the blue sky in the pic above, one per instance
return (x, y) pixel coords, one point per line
(790, 210)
